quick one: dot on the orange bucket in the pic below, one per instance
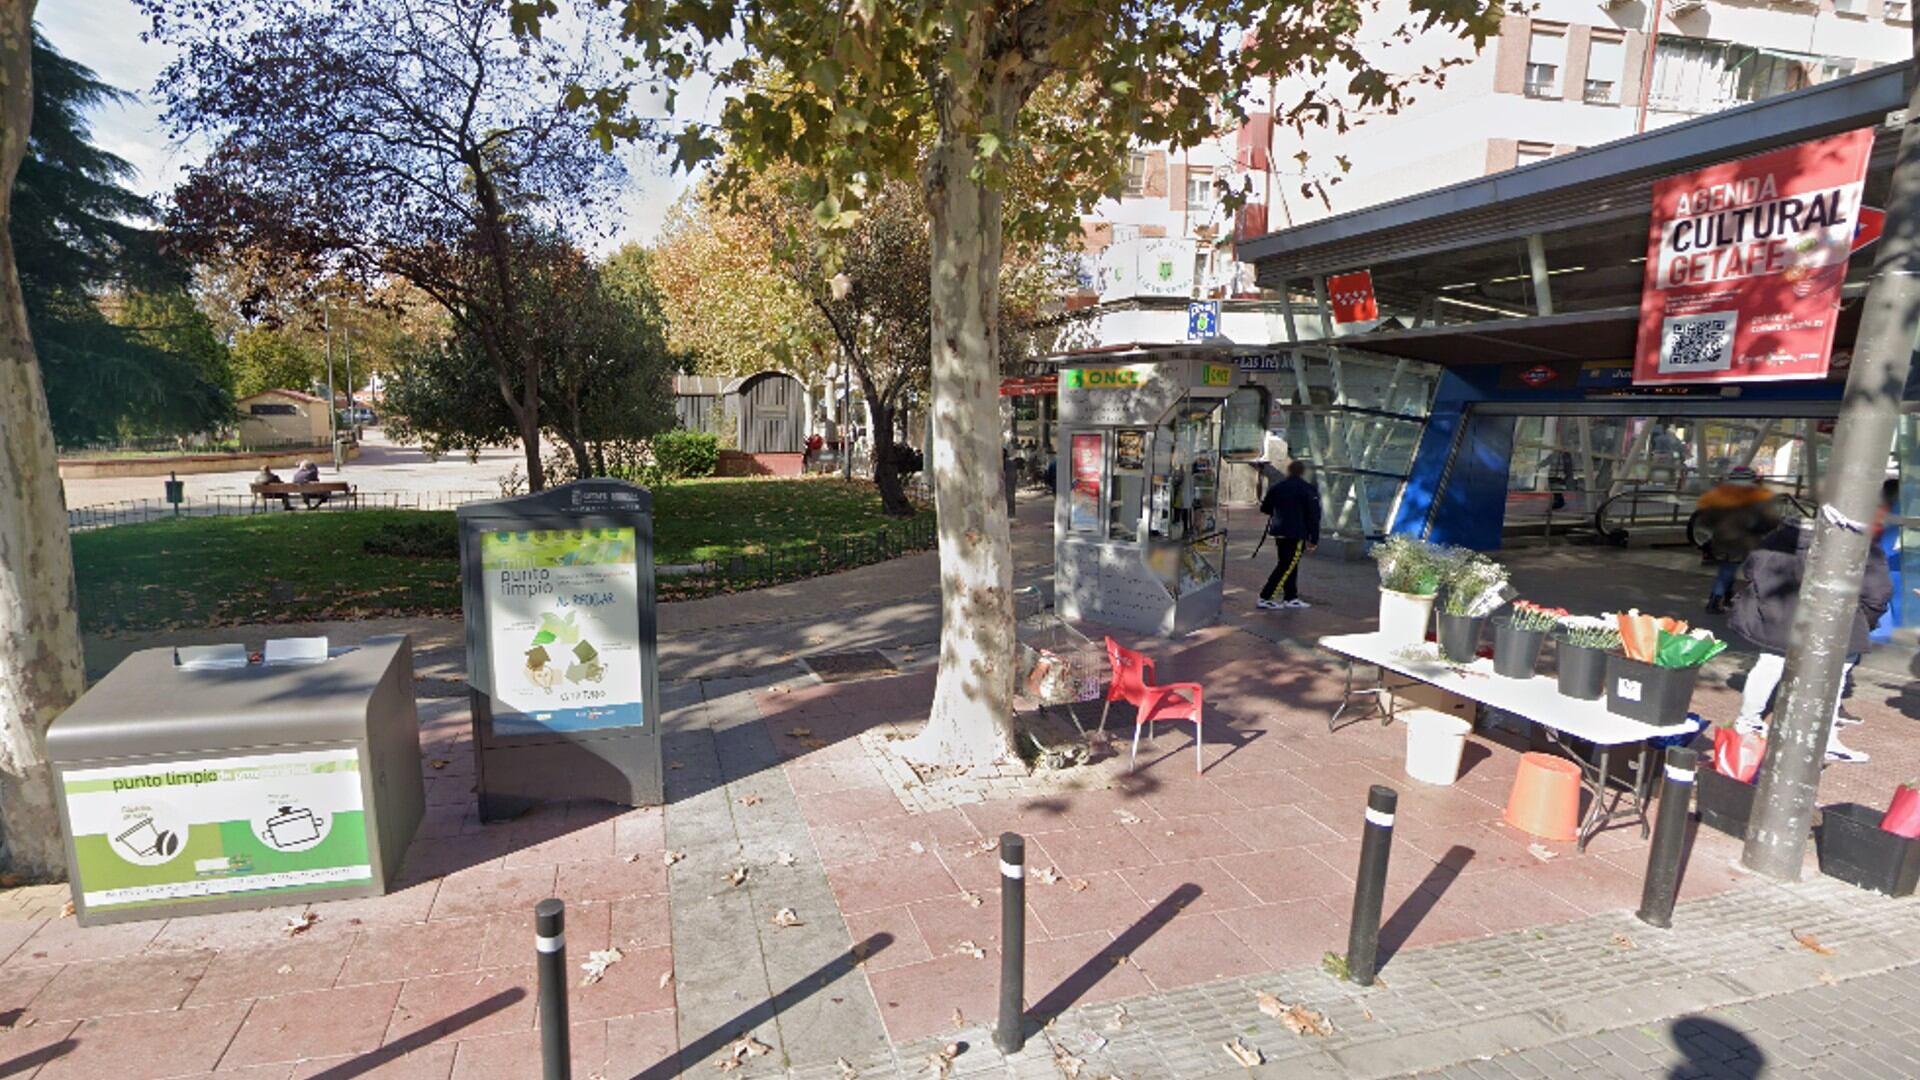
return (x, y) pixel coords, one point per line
(1546, 797)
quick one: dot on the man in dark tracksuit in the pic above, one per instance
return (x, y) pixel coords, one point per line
(1292, 507)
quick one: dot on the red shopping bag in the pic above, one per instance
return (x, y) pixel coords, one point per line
(1903, 816)
(1736, 754)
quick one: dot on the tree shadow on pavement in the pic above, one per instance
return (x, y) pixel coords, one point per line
(1711, 1048)
(1421, 901)
(691, 1054)
(28, 1063)
(1088, 975)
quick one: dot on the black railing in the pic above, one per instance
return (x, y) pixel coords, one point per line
(137, 511)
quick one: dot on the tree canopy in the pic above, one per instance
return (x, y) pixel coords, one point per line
(378, 139)
(150, 364)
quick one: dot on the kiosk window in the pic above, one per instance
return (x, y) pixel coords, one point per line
(1129, 483)
(1243, 426)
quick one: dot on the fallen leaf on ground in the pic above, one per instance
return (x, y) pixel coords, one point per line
(749, 800)
(1828, 978)
(1046, 875)
(439, 763)
(972, 898)
(942, 1061)
(738, 1053)
(1542, 852)
(917, 848)
(737, 876)
(283, 969)
(665, 978)
(847, 1071)
(1068, 1064)
(1077, 884)
(1128, 817)
(598, 961)
(1119, 1019)
(799, 733)
(299, 924)
(959, 1019)
(786, 916)
(1242, 1054)
(785, 858)
(671, 857)
(1622, 941)
(675, 765)
(1298, 1018)
(968, 948)
(814, 744)
(66, 910)
(1811, 943)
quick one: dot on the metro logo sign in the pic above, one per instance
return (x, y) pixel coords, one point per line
(1351, 297)
(1745, 261)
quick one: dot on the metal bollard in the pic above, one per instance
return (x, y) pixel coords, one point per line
(1669, 839)
(1011, 1033)
(1369, 890)
(550, 942)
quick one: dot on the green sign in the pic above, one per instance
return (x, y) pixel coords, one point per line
(188, 830)
(1103, 378)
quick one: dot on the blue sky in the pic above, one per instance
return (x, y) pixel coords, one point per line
(105, 36)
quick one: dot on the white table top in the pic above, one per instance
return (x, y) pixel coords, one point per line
(1538, 699)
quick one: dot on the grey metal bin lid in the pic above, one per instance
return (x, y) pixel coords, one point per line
(147, 706)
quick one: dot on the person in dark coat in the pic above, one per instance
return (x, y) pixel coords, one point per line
(1763, 614)
(1735, 515)
(1292, 507)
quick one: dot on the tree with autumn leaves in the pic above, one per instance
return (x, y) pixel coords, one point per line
(847, 94)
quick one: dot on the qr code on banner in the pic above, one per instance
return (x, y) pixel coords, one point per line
(1703, 342)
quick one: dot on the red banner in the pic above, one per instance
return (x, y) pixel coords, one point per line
(1351, 296)
(1745, 261)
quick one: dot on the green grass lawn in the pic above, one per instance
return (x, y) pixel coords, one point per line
(284, 567)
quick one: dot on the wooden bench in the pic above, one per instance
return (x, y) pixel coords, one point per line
(313, 494)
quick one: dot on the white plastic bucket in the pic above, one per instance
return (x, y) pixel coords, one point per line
(1404, 618)
(1435, 741)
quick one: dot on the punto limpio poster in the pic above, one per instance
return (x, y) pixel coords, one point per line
(562, 626)
(187, 830)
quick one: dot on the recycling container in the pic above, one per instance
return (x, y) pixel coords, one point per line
(199, 780)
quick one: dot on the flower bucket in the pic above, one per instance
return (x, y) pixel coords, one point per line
(1647, 692)
(1583, 671)
(1435, 743)
(1516, 653)
(1459, 636)
(1854, 848)
(1404, 618)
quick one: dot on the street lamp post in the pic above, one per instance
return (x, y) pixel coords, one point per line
(333, 418)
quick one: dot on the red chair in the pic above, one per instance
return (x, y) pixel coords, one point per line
(1133, 683)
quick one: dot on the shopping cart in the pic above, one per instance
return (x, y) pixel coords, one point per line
(1059, 667)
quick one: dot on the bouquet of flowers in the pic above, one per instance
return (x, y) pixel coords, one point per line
(1411, 565)
(1590, 632)
(1475, 586)
(1528, 615)
(1666, 642)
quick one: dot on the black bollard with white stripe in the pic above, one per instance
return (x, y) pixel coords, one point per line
(1010, 1035)
(1669, 839)
(1370, 887)
(550, 945)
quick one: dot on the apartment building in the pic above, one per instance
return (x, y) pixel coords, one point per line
(1570, 74)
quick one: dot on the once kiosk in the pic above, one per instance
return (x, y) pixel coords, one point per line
(558, 591)
(1139, 540)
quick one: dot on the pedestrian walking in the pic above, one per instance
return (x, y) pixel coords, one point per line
(1763, 614)
(1735, 515)
(1292, 507)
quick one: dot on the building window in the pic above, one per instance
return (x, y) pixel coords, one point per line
(1527, 153)
(1137, 173)
(1200, 189)
(1694, 75)
(1898, 10)
(1850, 7)
(1546, 55)
(1606, 66)
(259, 409)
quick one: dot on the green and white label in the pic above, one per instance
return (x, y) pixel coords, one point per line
(185, 830)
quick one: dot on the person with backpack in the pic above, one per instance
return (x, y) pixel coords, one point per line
(1292, 507)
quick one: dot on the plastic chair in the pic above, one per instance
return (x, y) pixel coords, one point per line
(1133, 683)
(1546, 797)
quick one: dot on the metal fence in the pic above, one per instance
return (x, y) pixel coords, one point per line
(136, 511)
